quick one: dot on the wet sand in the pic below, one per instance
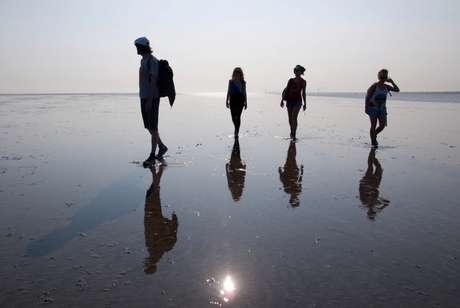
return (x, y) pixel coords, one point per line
(322, 222)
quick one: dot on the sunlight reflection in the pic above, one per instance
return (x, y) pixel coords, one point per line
(227, 292)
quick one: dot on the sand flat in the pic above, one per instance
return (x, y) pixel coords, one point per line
(325, 221)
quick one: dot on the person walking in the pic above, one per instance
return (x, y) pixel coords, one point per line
(375, 103)
(149, 97)
(236, 97)
(293, 94)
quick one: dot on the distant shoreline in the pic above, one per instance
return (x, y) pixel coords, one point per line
(347, 94)
(426, 97)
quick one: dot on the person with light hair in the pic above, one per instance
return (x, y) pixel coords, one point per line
(236, 98)
(375, 103)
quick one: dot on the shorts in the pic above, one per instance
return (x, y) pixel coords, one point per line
(376, 111)
(150, 119)
(294, 104)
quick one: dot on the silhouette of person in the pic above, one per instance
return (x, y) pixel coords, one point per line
(369, 187)
(237, 99)
(150, 98)
(293, 95)
(160, 232)
(375, 103)
(236, 172)
(291, 176)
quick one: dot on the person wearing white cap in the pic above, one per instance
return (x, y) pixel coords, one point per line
(149, 96)
(293, 94)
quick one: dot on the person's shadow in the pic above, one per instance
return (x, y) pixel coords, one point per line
(369, 187)
(160, 232)
(291, 176)
(236, 172)
(120, 198)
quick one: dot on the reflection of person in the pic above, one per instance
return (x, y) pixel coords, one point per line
(369, 187)
(291, 176)
(236, 172)
(150, 100)
(294, 93)
(160, 232)
(375, 103)
(236, 97)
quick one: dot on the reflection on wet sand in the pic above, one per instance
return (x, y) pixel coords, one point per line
(369, 187)
(160, 232)
(236, 172)
(291, 176)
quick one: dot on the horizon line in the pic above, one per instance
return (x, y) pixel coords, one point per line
(213, 93)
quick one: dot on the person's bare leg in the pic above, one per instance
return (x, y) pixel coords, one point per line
(295, 114)
(154, 137)
(372, 129)
(289, 111)
(382, 124)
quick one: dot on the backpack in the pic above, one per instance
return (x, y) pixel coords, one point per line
(165, 82)
(286, 90)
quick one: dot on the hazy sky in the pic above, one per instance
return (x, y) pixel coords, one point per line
(68, 46)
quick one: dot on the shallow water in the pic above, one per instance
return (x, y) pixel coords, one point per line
(323, 222)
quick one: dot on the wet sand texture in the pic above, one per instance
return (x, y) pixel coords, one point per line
(262, 222)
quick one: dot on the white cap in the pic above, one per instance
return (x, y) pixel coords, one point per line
(142, 41)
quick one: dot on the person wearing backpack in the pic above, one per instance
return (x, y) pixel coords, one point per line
(375, 103)
(293, 94)
(149, 96)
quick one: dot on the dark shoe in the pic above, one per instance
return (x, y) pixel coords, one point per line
(150, 161)
(375, 143)
(162, 149)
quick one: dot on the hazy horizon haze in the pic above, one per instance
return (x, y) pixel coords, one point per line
(84, 46)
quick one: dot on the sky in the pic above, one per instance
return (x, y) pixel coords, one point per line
(87, 46)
